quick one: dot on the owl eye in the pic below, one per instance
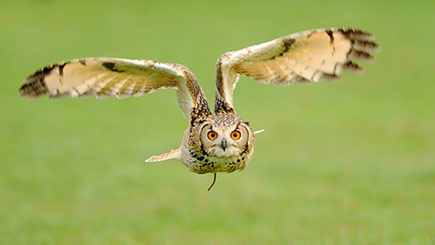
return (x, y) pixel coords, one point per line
(212, 135)
(235, 135)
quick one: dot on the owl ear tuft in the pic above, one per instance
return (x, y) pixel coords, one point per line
(221, 106)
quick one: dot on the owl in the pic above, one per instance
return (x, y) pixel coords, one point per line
(220, 141)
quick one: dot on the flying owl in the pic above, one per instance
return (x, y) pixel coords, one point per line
(219, 142)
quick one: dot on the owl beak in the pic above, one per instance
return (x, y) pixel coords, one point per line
(224, 144)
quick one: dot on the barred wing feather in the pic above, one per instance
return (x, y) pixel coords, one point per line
(104, 77)
(303, 57)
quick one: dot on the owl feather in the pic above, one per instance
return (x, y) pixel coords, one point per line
(220, 142)
(106, 77)
(304, 57)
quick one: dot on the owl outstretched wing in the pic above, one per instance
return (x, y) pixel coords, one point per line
(303, 57)
(104, 77)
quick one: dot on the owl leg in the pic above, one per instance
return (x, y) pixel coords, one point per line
(165, 156)
(212, 183)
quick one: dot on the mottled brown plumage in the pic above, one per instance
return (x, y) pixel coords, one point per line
(219, 142)
(202, 155)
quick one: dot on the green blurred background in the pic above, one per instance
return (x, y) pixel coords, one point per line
(339, 163)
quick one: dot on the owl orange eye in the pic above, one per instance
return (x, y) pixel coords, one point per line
(212, 135)
(235, 135)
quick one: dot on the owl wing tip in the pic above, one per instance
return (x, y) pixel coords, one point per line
(32, 88)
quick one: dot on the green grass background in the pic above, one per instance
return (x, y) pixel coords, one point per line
(339, 163)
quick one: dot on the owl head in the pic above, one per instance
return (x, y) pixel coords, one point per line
(226, 136)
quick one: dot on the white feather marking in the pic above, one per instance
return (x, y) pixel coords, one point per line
(169, 69)
(317, 76)
(165, 156)
(259, 131)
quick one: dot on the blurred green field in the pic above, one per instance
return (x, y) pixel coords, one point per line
(339, 163)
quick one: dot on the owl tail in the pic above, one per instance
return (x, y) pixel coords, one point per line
(165, 156)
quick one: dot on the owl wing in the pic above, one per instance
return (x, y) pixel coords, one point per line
(303, 57)
(104, 77)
